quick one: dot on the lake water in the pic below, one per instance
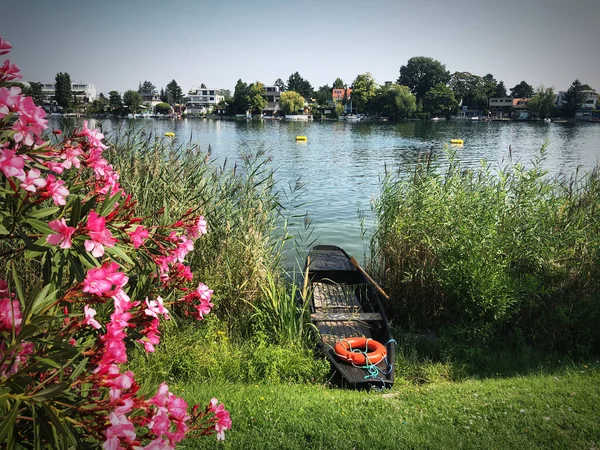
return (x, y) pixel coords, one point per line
(340, 165)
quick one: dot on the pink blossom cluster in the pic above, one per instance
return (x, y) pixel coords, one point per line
(39, 173)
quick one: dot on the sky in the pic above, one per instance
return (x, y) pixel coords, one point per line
(116, 44)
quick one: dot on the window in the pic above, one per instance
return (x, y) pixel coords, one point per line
(212, 99)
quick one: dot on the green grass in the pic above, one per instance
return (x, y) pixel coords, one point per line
(557, 410)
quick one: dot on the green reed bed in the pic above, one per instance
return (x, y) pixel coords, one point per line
(482, 256)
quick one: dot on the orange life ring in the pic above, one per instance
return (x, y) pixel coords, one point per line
(375, 351)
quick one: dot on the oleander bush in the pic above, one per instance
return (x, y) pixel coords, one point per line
(486, 257)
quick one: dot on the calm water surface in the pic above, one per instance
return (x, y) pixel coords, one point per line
(341, 163)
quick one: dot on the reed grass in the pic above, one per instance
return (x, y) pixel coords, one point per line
(488, 256)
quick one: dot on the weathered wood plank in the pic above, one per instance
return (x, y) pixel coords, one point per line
(323, 316)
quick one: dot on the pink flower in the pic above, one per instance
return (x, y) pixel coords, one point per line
(100, 235)
(3, 286)
(9, 71)
(199, 229)
(10, 314)
(94, 136)
(9, 99)
(56, 190)
(138, 236)
(89, 314)
(63, 236)
(12, 164)
(120, 427)
(204, 292)
(155, 307)
(100, 281)
(185, 246)
(159, 444)
(4, 46)
(223, 421)
(71, 157)
(33, 181)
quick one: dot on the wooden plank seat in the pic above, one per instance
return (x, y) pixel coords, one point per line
(346, 316)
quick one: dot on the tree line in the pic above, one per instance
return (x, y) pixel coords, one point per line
(424, 88)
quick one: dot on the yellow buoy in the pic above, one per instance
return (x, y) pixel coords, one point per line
(457, 141)
(301, 138)
(170, 134)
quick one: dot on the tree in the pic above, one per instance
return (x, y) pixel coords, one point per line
(133, 100)
(163, 108)
(364, 89)
(63, 94)
(256, 99)
(421, 73)
(291, 102)
(573, 99)
(202, 86)
(163, 96)
(114, 102)
(542, 103)
(280, 84)
(300, 85)
(500, 90)
(489, 85)
(240, 103)
(522, 90)
(34, 90)
(469, 90)
(440, 100)
(393, 101)
(147, 88)
(174, 93)
(323, 95)
(226, 93)
(338, 84)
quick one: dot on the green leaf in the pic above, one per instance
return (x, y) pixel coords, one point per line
(117, 251)
(50, 392)
(18, 286)
(8, 423)
(75, 212)
(60, 428)
(40, 226)
(109, 203)
(3, 229)
(44, 212)
(42, 299)
(48, 362)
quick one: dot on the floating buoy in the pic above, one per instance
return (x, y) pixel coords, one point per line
(301, 138)
(457, 141)
(170, 134)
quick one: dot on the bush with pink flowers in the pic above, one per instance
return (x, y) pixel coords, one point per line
(84, 280)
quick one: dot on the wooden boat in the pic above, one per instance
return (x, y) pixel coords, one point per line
(344, 303)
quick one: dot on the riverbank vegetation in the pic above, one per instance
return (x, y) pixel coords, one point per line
(491, 259)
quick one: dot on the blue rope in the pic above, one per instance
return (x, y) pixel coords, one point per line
(372, 369)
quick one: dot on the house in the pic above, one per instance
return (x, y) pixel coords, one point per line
(590, 101)
(519, 109)
(82, 93)
(343, 95)
(272, 94)
(500, 107)
(203, 100)
(150, 99)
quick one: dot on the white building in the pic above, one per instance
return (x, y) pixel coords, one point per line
(590, 102)
(203, 100)
(82, 93)
(272, 95)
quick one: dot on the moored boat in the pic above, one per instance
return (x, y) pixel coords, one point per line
(346, 307)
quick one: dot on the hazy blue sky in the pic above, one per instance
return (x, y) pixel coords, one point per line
(115, 44)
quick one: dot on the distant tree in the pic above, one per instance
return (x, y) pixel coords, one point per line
(163, 96)
(393, 101)
(146, 87)
(202, 86)
(300, 85)
(34, 90)
(291, 102)
(573, 99)
(500, 90)
(225, 93)
(63, 94)
(115, 103)
(133, 100)
(542, 103)
(163, 108)
(241, 102)
(174, 93)
(323, 95)
(469, 90)
(256, 100)
(280, 84)
(363, 92)
(98, 106)
(421, 73)
(338, 84)
(440, 100)
(489, 85)
(522, 90)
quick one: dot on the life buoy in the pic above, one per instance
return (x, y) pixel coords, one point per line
(370, 351)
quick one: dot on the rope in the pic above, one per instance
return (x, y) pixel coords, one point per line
(374, 372)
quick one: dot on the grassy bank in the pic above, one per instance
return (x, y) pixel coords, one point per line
(557, 410)
(484, 257)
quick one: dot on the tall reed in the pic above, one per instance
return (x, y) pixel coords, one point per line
(492, 255)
